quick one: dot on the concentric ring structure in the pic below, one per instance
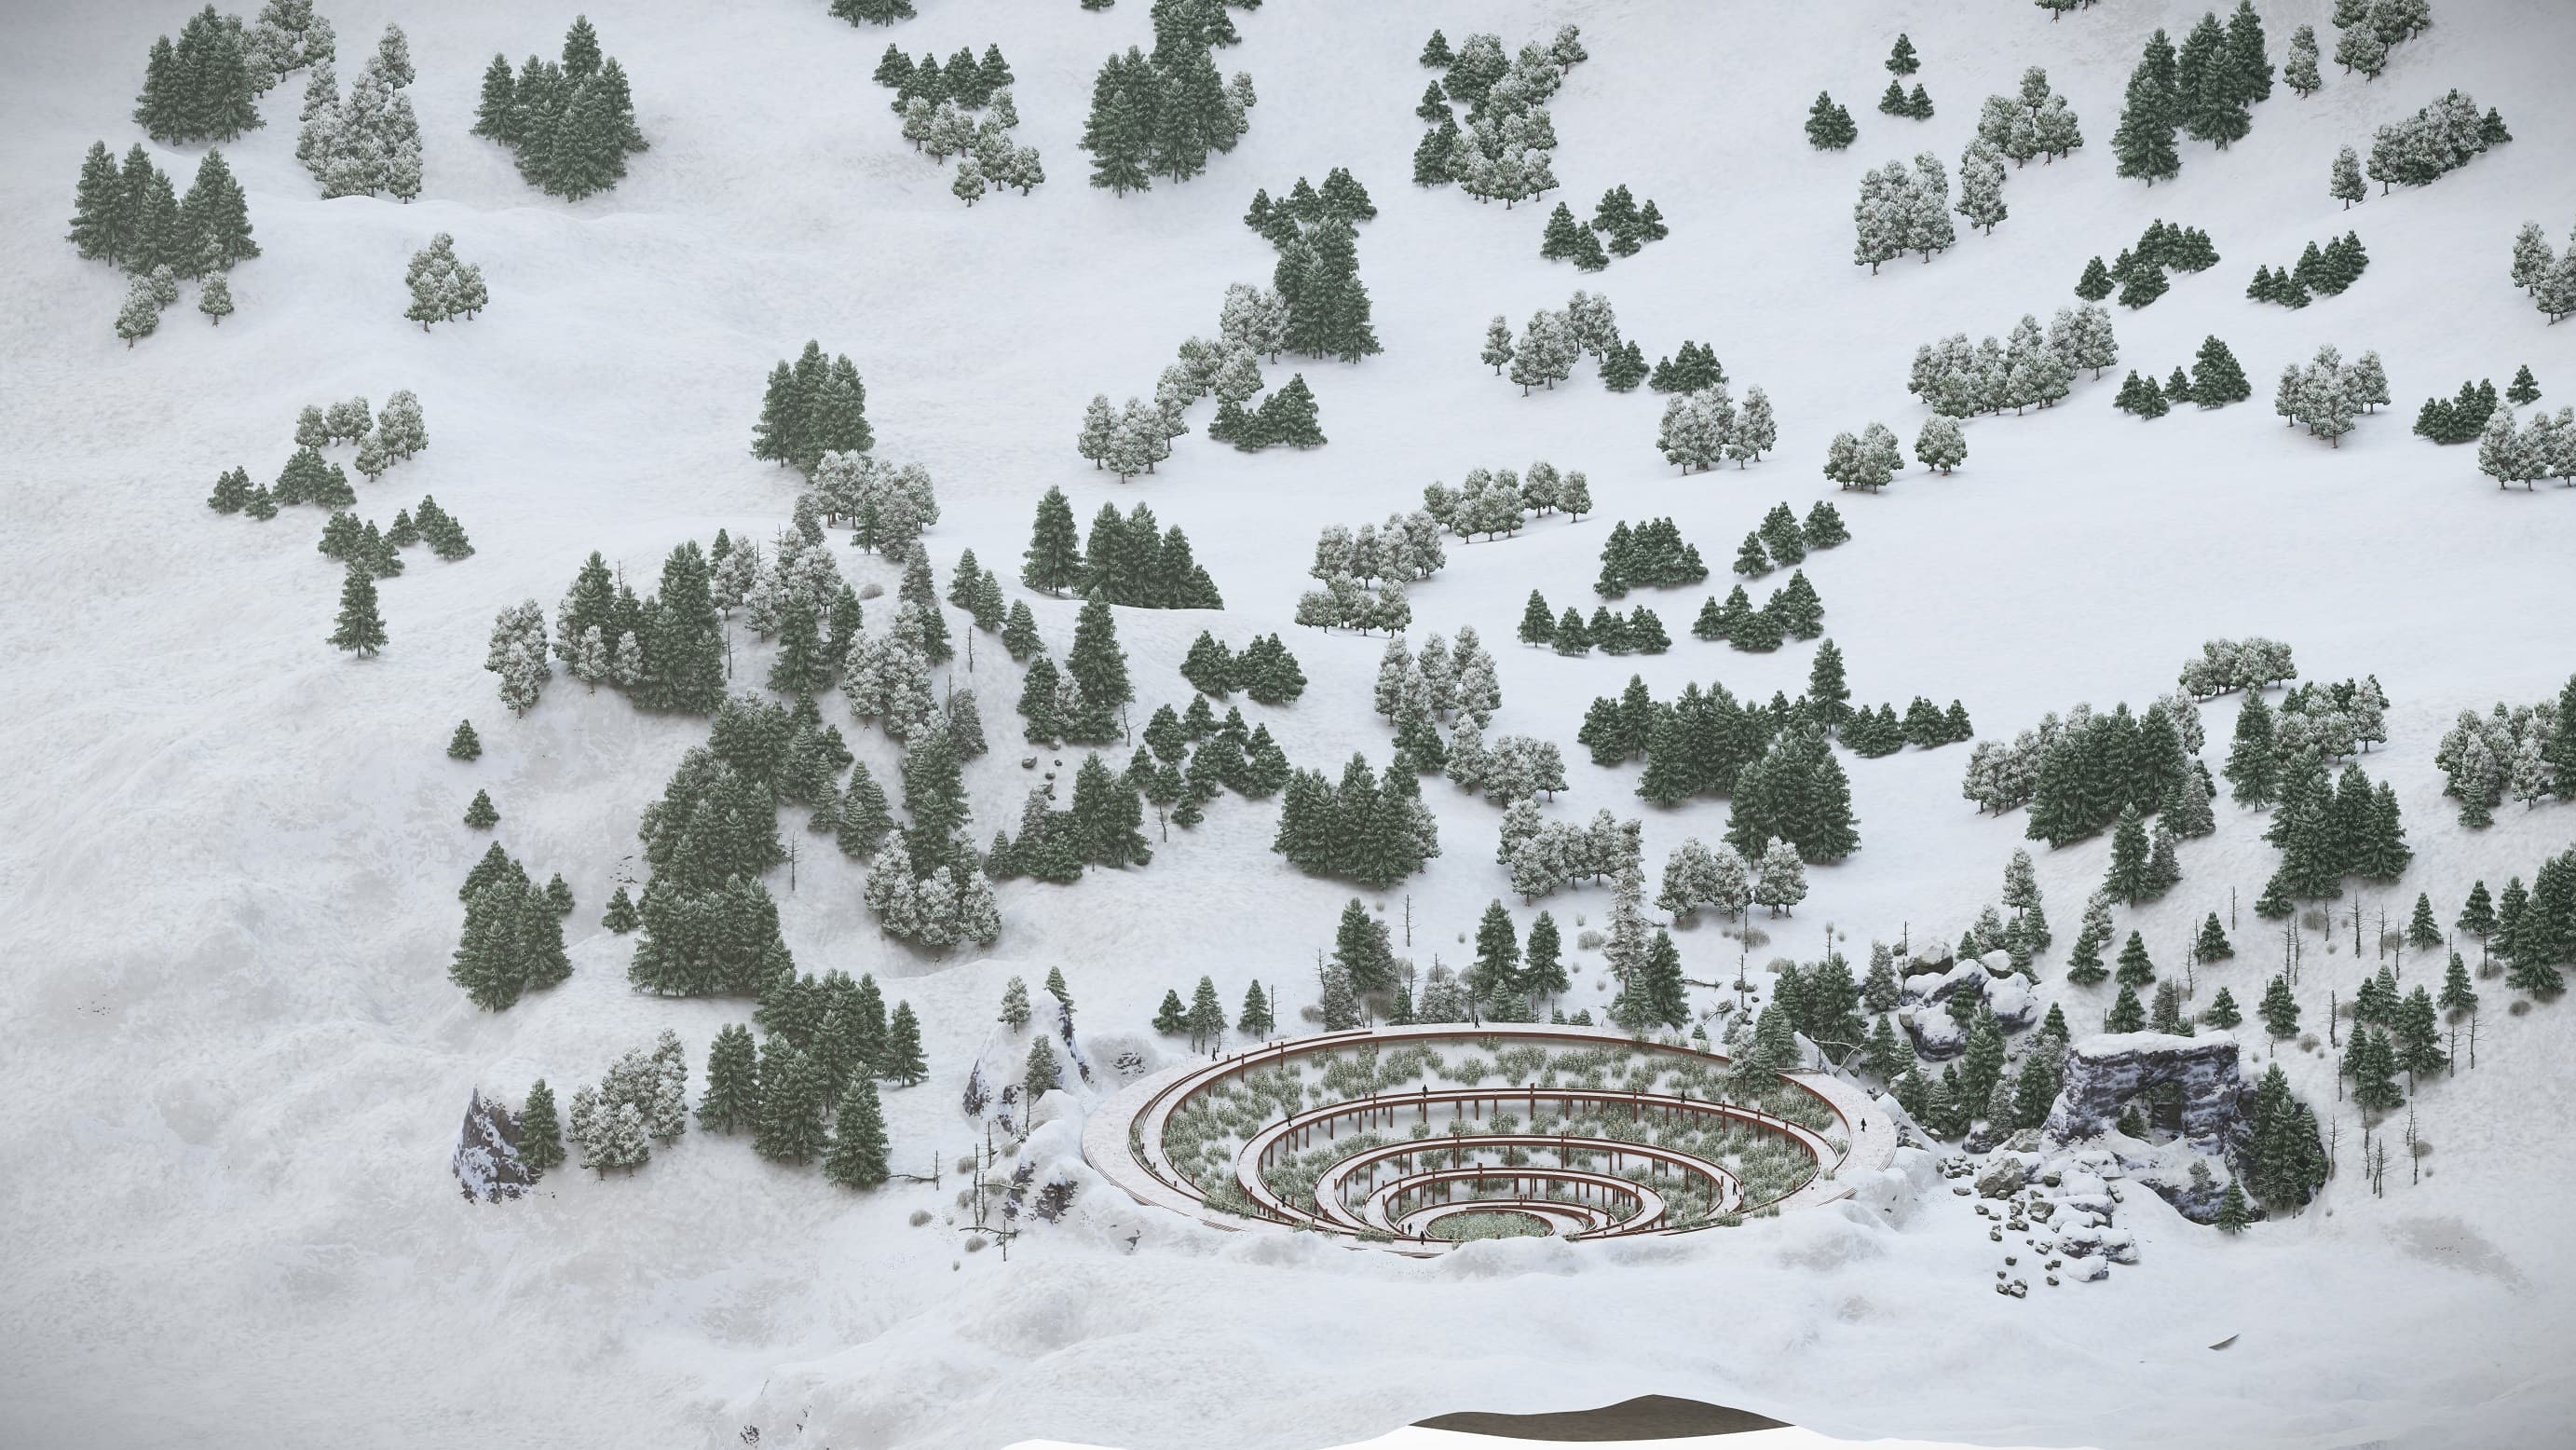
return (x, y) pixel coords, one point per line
(1507, 1119)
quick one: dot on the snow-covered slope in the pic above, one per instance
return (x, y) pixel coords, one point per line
(236, 1061)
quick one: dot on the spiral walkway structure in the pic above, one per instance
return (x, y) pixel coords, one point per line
(1385, 1135)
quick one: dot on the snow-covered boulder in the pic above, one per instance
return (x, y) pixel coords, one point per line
(2002, 1178)
(1927, 955)
(2014, 1002)
(1936, 1038)
(486, 1161)
(1996, 964)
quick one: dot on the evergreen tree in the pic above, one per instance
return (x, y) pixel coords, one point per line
(857, 1158)
(732, 1100)
(2126, 1015)
(1829, 126)
(464, 745)
(2144, 142)
(2212, 944)
(479, 814)
(361, 628)
(790, 1128)
(903, 1061)
(2234, 1213)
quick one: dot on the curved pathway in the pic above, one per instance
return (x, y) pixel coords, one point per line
(1123, 1138)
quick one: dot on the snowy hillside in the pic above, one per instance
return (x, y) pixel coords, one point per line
(238, 1062)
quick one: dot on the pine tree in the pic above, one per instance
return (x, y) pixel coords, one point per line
(361, 628)
(2279, 1011)
(541, 1145)
(480, 815)
(2234, 1213)
(857, 1158)
(1829, 126)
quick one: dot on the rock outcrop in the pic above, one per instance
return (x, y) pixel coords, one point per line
(2103, 1072)
(486, 1161)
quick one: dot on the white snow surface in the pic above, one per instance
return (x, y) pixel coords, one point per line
(237, 1064)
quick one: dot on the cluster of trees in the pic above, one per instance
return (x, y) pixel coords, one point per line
(814, 407)
(2329, 830)
(641, 1101)
(875, 12)
(2077, 774)
(1102, 827)
(1416, 693)
(570, 123)
(1829, 124)
(665, 649)
(1794, 611)
(1203, 1019)
(1316, 305)
(2228, 665)
(2545, 447)
(1704, 425)
(2328, 269)
(2437, 140)
(1513, 768)
(1508, 145)
(1179, 781)
(2367, 29)
(1367, 828)
(1162, 115)
(2027, 369)
(935, 105)
(207, 86)
(2549, 280)
(932, 892)
(1782, 540)
(1554, 341)
(133, 218)
(1543, 855)
(370, 142)
(1650, 556)
(2328, 394)
(1082, 701)
(2462, 418)
(828, 1038)
(1687, 369)
(1124, 561)
(1618, 217)
(513, 937)
(1492, 501)
(1364, 572)
(442, 288)
(2213, 381)
(2533, 932)
(2036, 122)
(1872, 457)
(2207, 91)
(1263, 669)
(383, 440)
(1903, 211)
(2139, 273)
(1640, 630)
(1903, 62)
(1794, 791)
(2321, 721)
(2525, 753)
(1924, 725)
